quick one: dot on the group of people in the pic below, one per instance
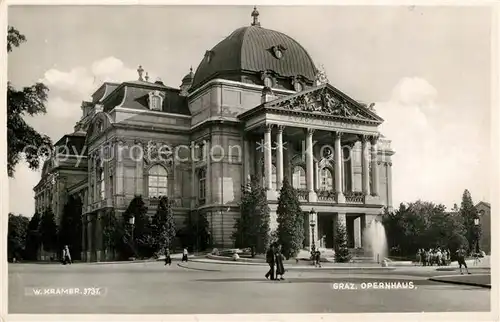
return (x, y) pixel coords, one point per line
(274, 259)
(433, 256)
(441, 257)
(168, 258)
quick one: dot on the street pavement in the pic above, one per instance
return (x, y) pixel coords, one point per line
(201, 288)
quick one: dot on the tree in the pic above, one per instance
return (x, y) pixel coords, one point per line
(252, 229)
(163, 225)
(70, 230)
(33, 237)
(195, 235)
(112, 232)
(143, 243)
(290, 220)
(31, 100)
(469, 212)
(16, 235)
(342, 254)
(48, 231)
(422, 224)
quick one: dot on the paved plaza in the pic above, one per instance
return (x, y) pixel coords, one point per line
(222, 288)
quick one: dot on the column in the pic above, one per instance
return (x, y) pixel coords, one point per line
(279, 157)
(338, 169)
(316, 175)
(350, 162)
(268, 161)
(84, 240)
(246, 161)
(389, 185)
(194, 183)
(90, 237)
(365, 180)
(98, 237)
(363, 226)
(208, 175)
(357, 232)
(374, 173)
(310, 166)
(313, 234)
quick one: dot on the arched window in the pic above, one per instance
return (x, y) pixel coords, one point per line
(157, 181)
(299, 178)
(326, 179)
(202, 184)
(101, 184)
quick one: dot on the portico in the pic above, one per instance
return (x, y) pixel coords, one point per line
(327, 146)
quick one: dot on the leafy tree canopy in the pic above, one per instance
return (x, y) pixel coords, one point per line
(31, 101)
(16, 235)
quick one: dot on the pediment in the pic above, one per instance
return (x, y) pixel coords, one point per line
(326, 100)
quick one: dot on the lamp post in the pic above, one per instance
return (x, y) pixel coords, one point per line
(476, 233)
(312, 223)
(131, 222)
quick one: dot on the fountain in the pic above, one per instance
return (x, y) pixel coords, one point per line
(375, 240)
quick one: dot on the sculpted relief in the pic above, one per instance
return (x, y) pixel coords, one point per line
(324, 102)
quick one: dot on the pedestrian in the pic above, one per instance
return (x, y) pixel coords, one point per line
(461, 259)
(271, 261)
(317, 259)
(184, 255)
(66, 256)
(280, 268)
(168, 259)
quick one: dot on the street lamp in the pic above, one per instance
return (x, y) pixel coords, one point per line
(312, 223)
(131, 222)
(476, 226)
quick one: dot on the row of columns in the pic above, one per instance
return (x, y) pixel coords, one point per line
(310, 171)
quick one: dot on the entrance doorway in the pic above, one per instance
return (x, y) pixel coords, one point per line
(325, 230)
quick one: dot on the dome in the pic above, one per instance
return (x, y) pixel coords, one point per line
(253, 50)
(189, 77)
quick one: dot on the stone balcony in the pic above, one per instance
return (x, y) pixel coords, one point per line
(329, 196)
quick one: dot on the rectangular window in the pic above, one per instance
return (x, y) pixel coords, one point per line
(162, 191)
(153, 192)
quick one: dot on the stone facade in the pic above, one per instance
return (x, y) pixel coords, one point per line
(199, 145)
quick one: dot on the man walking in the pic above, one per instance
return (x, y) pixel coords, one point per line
(461, 253)
(271, 261)
(66, 256)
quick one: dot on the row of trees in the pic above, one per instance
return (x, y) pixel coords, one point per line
(146, 237)
(27, 236)
(427, 225)
(252, 229)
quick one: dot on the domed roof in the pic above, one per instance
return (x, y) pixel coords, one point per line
(189, 77)
(255, 49)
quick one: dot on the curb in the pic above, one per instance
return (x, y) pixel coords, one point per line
(452, 269)
(197, 269)
(302, 268)
(460, 283)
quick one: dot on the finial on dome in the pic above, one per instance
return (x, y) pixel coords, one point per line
(147, 77)
(191, 69)
(140, 71)
(255, 15)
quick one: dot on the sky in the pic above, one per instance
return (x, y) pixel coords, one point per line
(426, 68)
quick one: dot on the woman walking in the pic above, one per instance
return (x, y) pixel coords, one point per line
(280, 268)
